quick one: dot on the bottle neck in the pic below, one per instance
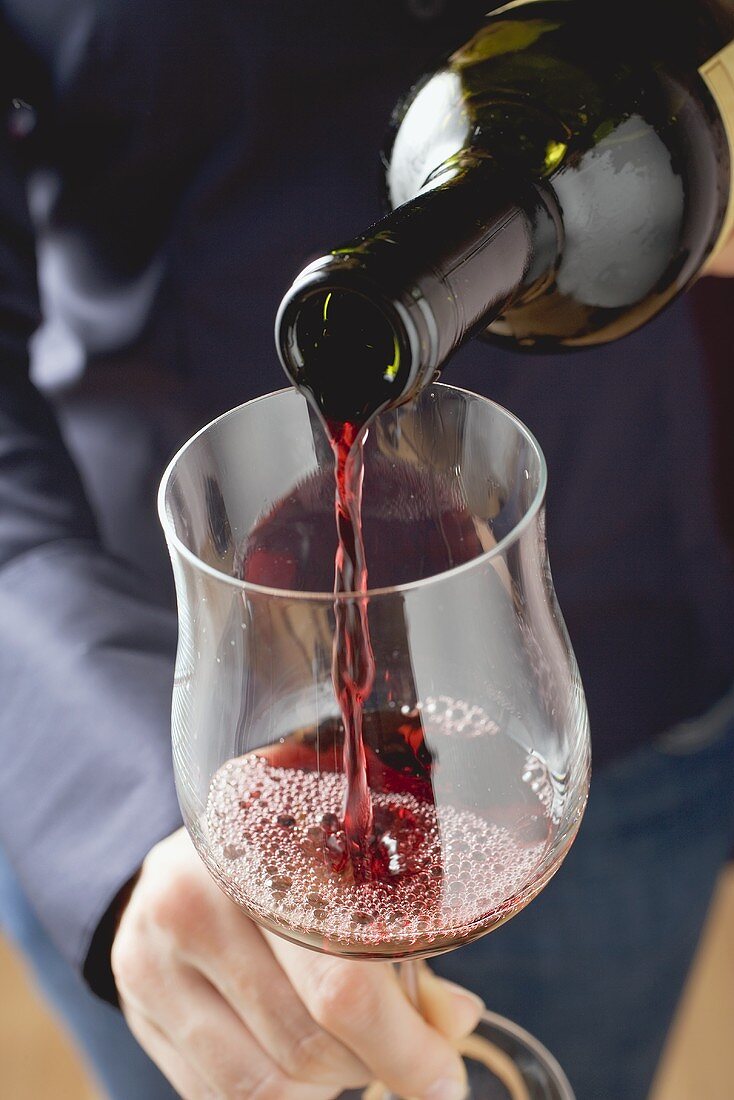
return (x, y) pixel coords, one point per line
(370, 323)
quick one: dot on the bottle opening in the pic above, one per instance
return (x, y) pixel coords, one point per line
(344, 349)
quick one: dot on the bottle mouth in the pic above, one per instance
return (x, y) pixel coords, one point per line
(343, 341)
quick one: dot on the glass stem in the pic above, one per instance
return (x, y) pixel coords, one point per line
(408, 975)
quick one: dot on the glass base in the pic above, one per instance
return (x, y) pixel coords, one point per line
(503, 1062)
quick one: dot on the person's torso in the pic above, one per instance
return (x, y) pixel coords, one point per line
(226, 146)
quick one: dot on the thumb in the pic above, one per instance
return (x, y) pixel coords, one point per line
(451, 1009)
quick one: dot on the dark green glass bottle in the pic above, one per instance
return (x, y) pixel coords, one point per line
(555, 182)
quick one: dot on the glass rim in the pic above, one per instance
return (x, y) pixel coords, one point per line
(497, 550)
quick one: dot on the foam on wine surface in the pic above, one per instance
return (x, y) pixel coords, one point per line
(276, 842)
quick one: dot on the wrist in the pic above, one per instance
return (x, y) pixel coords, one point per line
(97, 967)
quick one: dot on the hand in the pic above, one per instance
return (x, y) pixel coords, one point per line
(723, 262)
(227, 1010)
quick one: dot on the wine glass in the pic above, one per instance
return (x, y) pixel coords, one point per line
(475, 729)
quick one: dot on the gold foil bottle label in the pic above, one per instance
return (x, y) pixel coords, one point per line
(718, 73)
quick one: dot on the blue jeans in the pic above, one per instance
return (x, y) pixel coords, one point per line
(117, 1060)
(594, 967)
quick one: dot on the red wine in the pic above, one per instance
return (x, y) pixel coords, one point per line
(415, 523)
(353, 663)
(267, 557)
(439, 874)
(411, 522)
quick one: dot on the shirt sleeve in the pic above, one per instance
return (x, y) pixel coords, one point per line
(86, 661)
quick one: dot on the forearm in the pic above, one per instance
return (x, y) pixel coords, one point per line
(86, 787)
(86, 662)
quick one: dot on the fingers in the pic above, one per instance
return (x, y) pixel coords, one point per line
(223, 1052)
(238, 961)
(224, 1007)
(188, 962)
(187, 1083)
(363, 1005)
(451, 1009)
(722, 263)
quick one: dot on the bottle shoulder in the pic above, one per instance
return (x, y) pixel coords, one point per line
(622, 127)
(536, 87)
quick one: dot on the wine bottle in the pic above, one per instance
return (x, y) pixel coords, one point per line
(554, 183)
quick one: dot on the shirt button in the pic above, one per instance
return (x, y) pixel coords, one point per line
(21, 120)
(425, 10)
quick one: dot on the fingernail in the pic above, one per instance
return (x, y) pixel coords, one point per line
(446, 1088)
(467, 1005)
(465, 998)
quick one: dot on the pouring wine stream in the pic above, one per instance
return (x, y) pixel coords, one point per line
(369, 851)
(353, 662)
